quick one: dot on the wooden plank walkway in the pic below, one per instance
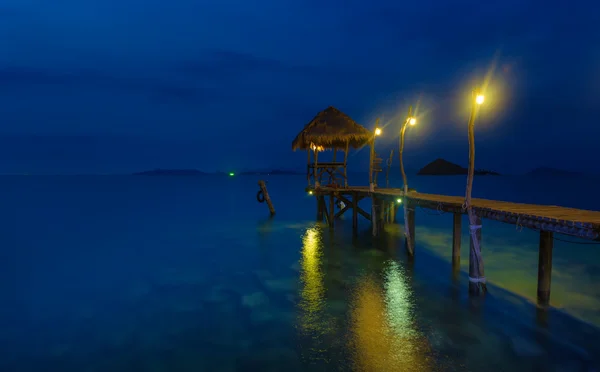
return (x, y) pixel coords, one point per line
(569, 221)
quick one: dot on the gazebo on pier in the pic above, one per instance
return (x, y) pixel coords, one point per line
(330, 129)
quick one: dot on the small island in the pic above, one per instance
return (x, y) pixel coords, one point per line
(170, 172)
(442, 167)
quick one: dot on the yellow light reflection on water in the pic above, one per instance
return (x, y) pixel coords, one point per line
(384, 337)
(312, 294)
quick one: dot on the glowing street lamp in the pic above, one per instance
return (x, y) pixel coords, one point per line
(376, 133)
(479, 286)
(410, 120)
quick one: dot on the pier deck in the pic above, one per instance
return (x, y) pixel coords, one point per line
(569, 221)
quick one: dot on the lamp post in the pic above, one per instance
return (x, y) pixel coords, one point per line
(410, 120)
(477, 282)
(376, 133)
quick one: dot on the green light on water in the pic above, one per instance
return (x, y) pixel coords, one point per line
(231, 174)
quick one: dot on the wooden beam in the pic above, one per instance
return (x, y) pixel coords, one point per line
(343, 210)
(324, 209)
(545, 268)
(456, 239)
(358, 198)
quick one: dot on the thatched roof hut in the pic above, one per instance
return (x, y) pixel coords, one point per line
(330, 129)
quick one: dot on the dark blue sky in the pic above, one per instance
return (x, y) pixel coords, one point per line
(123, 85)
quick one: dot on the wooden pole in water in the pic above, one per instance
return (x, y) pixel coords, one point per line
(409, 223)
(354, 211)
(545, 268)
(408, 239)
(319, 208)
(456, 240)
(331, 209)
(263, 187)
(477, 282)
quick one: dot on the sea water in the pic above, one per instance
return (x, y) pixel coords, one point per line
(126, 273)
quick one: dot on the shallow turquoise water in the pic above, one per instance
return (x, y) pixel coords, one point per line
(189, 274)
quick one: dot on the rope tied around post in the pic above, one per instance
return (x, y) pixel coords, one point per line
(478, 280)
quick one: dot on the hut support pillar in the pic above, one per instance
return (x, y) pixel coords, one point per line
(345, 164)
(456, 240)
(545, 268)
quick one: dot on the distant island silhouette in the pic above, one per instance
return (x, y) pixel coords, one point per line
(546, 171)
(170, 172)
(195, 172)
(442, 167)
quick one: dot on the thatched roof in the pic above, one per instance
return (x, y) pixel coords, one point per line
(332, 128)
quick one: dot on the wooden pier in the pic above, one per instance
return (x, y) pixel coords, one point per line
(548, 220)
(333, 130)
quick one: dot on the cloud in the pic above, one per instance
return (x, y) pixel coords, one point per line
(12, 77)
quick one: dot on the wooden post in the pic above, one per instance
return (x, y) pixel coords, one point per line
(389, 166)
(354, 211)
(315, 170)
(410, 227)
(308, 166)
(545, 268)
(331, 209)
(263, 188)
(477, 283)
(319, 208)
(376, 215)
(456, 238)
(346, 163)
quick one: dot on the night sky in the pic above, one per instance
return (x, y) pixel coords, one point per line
(112, 86)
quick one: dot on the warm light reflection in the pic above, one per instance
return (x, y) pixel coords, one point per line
(313, 291)
(412, 121)
(384, 337)
(316, 148)
(310, 193)
(479, 99)
(377, 131)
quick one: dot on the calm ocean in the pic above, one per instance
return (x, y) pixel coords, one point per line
(126, 273)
